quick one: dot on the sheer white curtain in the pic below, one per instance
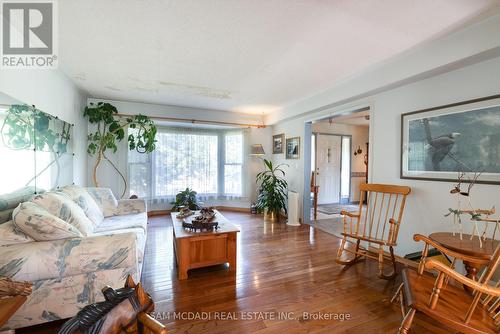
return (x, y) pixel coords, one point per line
(186, 158)
(209, 161)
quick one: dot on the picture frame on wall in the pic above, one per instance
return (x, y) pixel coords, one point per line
(293, 148)
(444, 142)
(278, 143)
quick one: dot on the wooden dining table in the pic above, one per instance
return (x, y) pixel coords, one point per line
(469, 246)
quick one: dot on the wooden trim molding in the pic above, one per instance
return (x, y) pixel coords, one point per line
(155, 213)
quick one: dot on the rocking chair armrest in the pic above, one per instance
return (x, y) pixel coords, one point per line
(449, 252)
(350, 214)
(482, 288)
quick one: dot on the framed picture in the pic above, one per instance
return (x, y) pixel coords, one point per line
(278, 143)
(444, 142)
(293, 148)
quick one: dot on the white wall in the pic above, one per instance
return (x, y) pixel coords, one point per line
(360, 136)
(429, 200)
(52, 92)
(108, 178)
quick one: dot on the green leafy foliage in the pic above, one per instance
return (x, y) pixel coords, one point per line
(26, 127)
(111, 130)
(272, 190)
(186, 198)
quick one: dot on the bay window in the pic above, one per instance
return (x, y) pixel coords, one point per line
(209, 161)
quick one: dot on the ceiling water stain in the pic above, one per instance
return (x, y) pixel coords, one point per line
(113, 88)
(213, 93)
(80, 76)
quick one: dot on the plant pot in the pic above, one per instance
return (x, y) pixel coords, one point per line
(270, 216)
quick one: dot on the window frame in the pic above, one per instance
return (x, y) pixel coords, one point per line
(221, 163)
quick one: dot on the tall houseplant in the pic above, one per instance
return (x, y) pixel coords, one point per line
(272, 190)
(111, 130)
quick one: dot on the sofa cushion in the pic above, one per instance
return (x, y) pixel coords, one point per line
(61, 205)
(12, 200)
(10, 234)
(136, 220)
(6, 215)
(82, 197)
(105, 200)
(41, 225)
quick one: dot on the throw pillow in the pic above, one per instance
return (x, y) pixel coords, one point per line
(10, 234)
(105, 199)
(61, 206)
(82, 197)
(39, 224)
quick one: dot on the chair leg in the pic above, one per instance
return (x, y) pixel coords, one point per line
(381, 264)
(407, 321)
(399, 296)
(340, 252)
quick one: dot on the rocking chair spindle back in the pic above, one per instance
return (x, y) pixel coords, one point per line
(378, 224)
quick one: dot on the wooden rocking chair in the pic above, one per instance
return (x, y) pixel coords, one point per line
(477, 311)
(379, 224)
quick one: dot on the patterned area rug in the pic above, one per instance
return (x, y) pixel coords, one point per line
(332, 209)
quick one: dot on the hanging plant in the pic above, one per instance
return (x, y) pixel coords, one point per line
(111, 130)
(27, 128)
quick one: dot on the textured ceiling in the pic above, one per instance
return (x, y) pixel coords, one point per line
(242, 56)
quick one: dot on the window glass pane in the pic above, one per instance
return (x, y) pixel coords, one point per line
(232, 180)
(185, 160)
(234, 148)
(139, 179)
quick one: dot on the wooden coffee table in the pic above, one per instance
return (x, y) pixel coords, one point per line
(203, 249)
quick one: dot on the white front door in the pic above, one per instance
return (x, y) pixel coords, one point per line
(328, 150)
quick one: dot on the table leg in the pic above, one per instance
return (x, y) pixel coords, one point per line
(183, 258)
(231, 251)
(472, 270)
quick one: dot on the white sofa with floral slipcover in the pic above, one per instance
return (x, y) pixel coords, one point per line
(69, 243)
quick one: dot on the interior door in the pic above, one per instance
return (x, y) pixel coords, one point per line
(328, 152)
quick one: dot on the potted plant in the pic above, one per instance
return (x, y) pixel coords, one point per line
(111, 130)
(186, 198)
(272, 191)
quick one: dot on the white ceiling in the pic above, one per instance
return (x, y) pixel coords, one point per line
(242, 56)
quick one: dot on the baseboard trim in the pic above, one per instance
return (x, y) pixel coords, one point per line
(398, 258)
(223, 208)
(233, 208)
(159, 213)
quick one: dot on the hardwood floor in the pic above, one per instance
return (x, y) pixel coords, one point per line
(284, 271)
(280, 269)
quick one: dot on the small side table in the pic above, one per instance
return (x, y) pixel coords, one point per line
(468, 247)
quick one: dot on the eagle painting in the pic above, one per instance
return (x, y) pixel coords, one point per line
(440, 147)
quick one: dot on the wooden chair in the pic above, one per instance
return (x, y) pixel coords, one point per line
(475, 312)
(378, 224)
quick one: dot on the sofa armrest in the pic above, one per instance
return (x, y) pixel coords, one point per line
(130, 206)
(40, 260)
